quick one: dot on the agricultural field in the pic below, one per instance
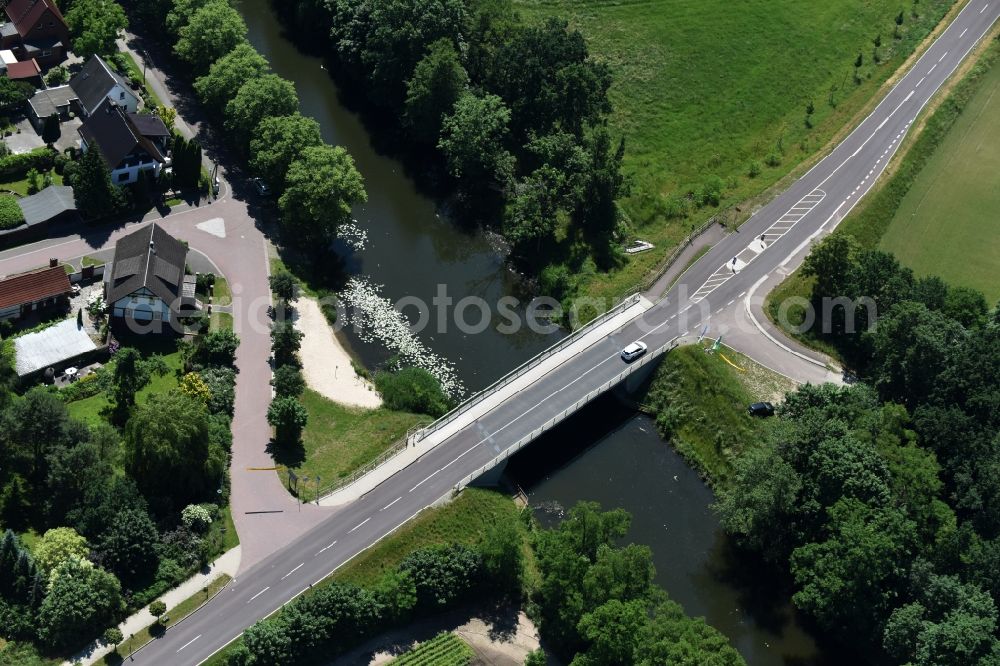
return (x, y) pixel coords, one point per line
(717, 91)
(946, 225)
(445, 649)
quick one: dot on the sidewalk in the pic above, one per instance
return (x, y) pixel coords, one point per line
(407, 457)
(228, 563)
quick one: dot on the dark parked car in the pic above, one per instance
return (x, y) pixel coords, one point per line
(761, 409)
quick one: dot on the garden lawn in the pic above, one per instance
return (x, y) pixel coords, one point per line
(338, 440)
(705, 88)
(946, 225)
(21, 185)
(90, 410)
(221, 295)
(700, 403)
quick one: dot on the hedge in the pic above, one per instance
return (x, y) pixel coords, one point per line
(18, 165)
(10, 213)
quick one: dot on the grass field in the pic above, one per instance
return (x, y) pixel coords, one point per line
(947, 224)
(338, 440)
(700, 402)
(704, 89)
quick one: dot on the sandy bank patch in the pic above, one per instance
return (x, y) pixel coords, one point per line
(326, 366)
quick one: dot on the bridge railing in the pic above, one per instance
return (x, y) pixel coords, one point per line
(519, 371)
(398, 447)
(561, 416)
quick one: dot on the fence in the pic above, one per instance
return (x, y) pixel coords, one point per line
(548, 425)
(416, 434)
(474, 400)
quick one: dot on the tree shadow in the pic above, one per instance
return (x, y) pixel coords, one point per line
(290, 455)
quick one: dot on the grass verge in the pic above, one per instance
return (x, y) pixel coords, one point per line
(700, 403)
(175, 615)
(221, 295)
(464, 519)
(338, 439)
(135, 71)
(221, 321)
(91, 261)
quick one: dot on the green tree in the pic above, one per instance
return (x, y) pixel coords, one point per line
(13, 94)
(473, 139)
(443, 575)
(95, 195)
(72, 469)
(33, 427)
(268, 643)
(285, 343)
(157, 608)
(58, 545)
(278, 142)
(228, 74)
(51, 130)
(259, 98)
(321, 188)
(437, 82)
(760, 505)
(129, 375)
(178, 13)
(536, 658)
(849, 582)
(288, 382)
(82, 600)
(288, 418)
(671, 637)
(966, 306)
(611, 631)
(503, 558)
(95, 26)
(284, 286)
(211, 32)
(831, 262)
(167, 449)
(112, 636)
(217, 348)
(534, 214)
(128, 547)
(604, 185)
(911, 348)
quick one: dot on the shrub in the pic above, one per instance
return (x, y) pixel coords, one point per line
(204, 282)
(412, 390)
(157, 608)
(18, 165)
(754, 170)
(288, 382)
(773, 159)
(10, 213)
(196, 518)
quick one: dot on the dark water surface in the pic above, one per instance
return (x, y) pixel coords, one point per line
(412, 248)
(611, 455)
(607, 453)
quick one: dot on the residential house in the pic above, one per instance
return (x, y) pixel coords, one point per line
(35, 29)
(93, 84)
(22, 294)
(128, 142)
(146, 282)
(25, 70)
(97, 81)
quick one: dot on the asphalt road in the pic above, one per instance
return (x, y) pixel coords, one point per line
(819, 199)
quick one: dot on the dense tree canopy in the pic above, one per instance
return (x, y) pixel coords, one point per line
(210, 32)
(321, 188)
(279, 141)
(473, 140)
(257, 99)
(228, 74)
(95, 195)
(95, 26)
(81, 601)
(437, 82)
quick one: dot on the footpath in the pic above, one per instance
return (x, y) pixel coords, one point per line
(228, 564)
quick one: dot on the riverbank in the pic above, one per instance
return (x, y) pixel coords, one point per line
(326, 365)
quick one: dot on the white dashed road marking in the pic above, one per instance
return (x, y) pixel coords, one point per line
(256, 595)
(358, 525)
(189, 642)
(292, 571)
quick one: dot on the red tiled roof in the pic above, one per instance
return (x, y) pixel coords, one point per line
(25, 13)
(32, 287)
(23, 70)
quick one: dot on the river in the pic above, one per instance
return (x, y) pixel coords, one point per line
(607, 453)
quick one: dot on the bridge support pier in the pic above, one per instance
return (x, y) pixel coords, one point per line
(492, 477)
(629, 391)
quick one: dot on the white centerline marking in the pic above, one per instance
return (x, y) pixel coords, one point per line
(390, 504)
(189, 642)
(920, 81)
(420, 484)
(325, 548)
(932, 68)
(292, 571)
(942, 57)
(984, 8)
(963, 33)
(260, 593)
(358, 525)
